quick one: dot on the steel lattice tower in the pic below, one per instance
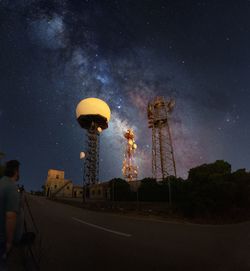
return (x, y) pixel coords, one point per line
(163, 162)
(93, 115)
(129, 169)
(91, 172)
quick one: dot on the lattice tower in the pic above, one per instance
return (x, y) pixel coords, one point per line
(93, 115)
(91, 165)
(129, 168)
(163, 161)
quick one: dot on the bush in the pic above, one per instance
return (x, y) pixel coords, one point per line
(120, 190)
(211, 189)
(1, 171)
(149, 190)
(204, 172)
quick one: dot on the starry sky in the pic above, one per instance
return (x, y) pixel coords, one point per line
(54, 53)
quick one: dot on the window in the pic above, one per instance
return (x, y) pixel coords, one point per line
(57, 176)
(55, 186)
(68, 187)
(99, 192)
(93, 192)
(80, 192)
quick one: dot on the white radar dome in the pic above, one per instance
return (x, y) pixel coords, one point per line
(93, 110)
(93, 106)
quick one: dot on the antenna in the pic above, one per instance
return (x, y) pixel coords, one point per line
(129, 169)
(163, 162)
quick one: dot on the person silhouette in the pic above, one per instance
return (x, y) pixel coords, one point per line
(9, 209)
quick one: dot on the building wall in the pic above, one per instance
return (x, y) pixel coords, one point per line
(67, 190)
(55, 174)
(102, 191)
(99, 191)
(77, 192)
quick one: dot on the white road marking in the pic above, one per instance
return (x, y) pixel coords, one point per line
(102, 228)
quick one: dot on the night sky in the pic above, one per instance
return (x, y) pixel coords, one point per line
(55, 53)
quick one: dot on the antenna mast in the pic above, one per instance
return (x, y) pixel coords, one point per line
(129, 169)
(163, 162)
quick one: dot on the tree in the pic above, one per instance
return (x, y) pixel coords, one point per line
(1, 171)
(211, 189)
(204, 172)
(240, 183)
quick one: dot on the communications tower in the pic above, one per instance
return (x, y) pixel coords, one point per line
(129, 169)
(93, 115)
(163, 162)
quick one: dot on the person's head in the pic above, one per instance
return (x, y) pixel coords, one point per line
(12, 169)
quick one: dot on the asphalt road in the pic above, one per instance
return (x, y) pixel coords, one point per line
(77, 239)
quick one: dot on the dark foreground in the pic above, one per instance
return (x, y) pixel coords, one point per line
(77, 239)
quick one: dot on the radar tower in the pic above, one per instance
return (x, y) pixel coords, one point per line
(93, 115)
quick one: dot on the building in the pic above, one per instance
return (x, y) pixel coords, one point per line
(57, 185)
(100, 191)
(103, 191)
(77, 191)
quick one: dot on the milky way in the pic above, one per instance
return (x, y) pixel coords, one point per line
(55, 53)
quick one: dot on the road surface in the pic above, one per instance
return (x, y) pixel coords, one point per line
(78, 239)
